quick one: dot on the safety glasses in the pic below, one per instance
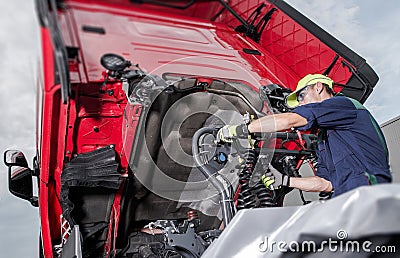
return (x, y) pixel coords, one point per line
(302, 93)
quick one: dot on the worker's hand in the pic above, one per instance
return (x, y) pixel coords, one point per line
(274, 179)
(230, 132)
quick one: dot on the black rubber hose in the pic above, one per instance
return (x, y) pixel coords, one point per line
(225, 201)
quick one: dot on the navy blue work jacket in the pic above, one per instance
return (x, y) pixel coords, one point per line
(351, 144)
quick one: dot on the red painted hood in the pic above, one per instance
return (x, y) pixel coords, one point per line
(166, 43)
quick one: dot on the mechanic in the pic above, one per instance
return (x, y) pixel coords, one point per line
(351, 149)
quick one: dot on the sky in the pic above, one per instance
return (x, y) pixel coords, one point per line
(19, 48)
(371, 29)
(366, 26)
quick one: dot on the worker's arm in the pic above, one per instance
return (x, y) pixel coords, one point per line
(275, 178)
(266, 124)
(276, 122)
(311, 184)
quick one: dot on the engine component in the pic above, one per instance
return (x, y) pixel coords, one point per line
(226, 200)
(186, 241)
(246, 197)
(114, 62)
(144, 245)
(256, 196)
(275, 96)
(175, 240)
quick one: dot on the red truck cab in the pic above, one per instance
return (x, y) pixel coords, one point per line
(125, 86)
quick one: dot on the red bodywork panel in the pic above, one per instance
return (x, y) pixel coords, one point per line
(133, 33)
(290, 44)
(161, 40)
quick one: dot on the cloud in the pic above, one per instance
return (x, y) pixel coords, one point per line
(17, 83)
(18, 52)
(370, 29)
(336, 17)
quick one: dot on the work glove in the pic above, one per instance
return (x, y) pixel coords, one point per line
(274, 179)
(230, 132)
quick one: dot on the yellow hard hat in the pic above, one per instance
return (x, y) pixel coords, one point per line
(307, 80)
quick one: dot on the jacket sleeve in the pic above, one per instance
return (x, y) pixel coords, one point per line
(334, 113)
(322, 170)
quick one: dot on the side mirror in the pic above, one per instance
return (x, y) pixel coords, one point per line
(19, 176)
(15, 158)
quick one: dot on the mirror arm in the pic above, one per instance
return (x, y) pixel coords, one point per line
(34, 201)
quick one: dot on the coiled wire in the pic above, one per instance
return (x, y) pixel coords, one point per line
(256, 196)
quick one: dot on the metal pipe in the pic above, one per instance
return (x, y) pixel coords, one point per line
(259, 114)
(226, 201)
(237, 16)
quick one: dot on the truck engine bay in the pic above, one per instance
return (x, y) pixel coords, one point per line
(174, 202)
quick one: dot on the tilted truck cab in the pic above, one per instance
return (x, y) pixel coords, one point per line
(125, 87)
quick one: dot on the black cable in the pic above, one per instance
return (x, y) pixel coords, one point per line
(302, 198)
